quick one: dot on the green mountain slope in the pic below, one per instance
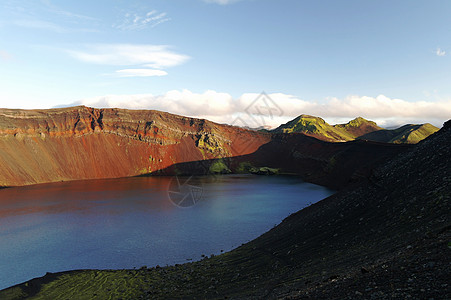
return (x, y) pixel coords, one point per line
(316, 127)
(358, 127)
(407, 134)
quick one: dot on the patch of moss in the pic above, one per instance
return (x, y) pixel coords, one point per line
(210, 144)
(244, 167)
(219, 167)
(264, 171)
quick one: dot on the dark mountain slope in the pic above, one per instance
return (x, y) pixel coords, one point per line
(335, 165)
(385, 239)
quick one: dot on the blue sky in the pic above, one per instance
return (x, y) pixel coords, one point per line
(386, 60)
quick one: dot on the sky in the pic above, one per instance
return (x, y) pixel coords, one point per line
(388, 61)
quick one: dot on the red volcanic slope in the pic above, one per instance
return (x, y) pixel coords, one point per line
(38, 146)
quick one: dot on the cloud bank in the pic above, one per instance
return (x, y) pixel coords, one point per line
(252, 110)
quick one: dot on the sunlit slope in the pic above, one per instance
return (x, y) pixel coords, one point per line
(316, 127)
(358, 128)
(407, 134)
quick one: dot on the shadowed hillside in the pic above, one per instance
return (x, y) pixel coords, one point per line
(388, 238)
(335, 165)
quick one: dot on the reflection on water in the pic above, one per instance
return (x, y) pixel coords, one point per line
(131, 222)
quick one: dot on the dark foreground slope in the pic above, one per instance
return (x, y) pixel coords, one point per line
(386, 239)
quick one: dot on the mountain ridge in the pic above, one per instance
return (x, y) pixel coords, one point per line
(358, 128)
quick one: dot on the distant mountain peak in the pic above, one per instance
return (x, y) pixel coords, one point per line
(360, 121)
(313, 126)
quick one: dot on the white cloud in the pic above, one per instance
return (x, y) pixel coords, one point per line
(147, 58)
(223, 108)
(133, 21)
(440, 52)
(140, 73)
(154, 56)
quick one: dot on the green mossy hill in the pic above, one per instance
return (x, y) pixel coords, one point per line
(407, 134)
(357, 122)
(387, 238)
(219, 167)
(359, 126)
(316, 127)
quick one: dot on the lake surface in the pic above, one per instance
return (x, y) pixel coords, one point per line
(132, 222)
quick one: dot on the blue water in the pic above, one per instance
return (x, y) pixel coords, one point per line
(132, 222)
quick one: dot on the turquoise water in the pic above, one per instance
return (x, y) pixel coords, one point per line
(132, 222)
